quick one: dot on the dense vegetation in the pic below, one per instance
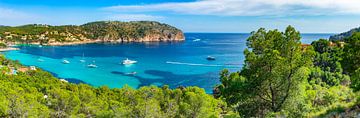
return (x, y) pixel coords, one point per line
(101, 30)
(280, 78)
(39, 94)
(342, 36)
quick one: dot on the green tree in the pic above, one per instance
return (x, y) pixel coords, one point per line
(321, 45)
(355, 80)
(275, 66)
(351, 61)
(3, 45)
(328, 55)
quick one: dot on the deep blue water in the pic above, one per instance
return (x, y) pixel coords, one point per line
(175, 64)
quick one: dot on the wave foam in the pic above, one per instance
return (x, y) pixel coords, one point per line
(195, 40)
(195, 64)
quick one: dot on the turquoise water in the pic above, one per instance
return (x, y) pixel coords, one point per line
(175, 64)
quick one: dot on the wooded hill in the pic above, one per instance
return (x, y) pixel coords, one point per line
(109, 31)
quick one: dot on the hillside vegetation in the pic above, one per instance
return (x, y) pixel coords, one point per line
(108, 31)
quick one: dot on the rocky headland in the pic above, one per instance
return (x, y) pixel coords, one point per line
(93, 32)
(344, 35)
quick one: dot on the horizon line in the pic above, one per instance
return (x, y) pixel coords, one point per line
(250, 32)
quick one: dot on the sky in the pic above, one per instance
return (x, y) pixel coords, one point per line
(222, 16)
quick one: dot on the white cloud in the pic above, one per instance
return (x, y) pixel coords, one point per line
(133, 17)
(249, 7)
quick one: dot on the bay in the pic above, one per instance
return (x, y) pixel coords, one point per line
(159, 63)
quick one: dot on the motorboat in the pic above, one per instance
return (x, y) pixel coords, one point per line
(128, 62)
(65, 62)
(92, 66)
(210, 58)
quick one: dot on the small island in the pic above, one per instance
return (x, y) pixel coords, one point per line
(93, 32)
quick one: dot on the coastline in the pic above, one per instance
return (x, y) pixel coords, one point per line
(100, 41)
(72, 43)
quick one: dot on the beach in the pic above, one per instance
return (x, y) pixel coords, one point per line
(8, 49)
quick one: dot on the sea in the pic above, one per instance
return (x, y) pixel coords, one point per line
(158, 63)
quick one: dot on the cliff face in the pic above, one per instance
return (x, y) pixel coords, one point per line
(142, 31)
(102, 31)
(179, 36)
(164, 36)
(344, 35)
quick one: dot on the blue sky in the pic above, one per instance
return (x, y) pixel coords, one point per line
(308, 16)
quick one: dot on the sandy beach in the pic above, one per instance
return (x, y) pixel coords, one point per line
(60, 43)
(73, 43)
(8, 49)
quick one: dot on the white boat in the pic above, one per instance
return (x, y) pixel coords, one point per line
(210, 58)
(82, 60)
(128, 61)
(65, 61)
(40, 46)
(92, 66)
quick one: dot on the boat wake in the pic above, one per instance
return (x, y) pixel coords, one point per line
(196, 40)
(195, 64)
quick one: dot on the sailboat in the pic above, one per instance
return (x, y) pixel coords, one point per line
(82, 60)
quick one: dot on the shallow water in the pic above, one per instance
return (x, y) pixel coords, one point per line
(175, 64)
